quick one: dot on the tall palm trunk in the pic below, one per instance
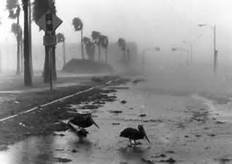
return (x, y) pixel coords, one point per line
(99, 53)
(106, 55)
(82, 48)
(21, 56)
(30, 36)
(27, 57)
(18, 47)
(64, 55)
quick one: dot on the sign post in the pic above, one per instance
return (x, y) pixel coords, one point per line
(49, 22)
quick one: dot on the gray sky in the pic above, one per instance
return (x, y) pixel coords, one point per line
(148, 22)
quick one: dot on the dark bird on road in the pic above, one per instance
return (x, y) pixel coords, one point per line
(134, 134)
(83, 121)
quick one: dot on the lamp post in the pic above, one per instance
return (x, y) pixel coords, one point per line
(215, 51)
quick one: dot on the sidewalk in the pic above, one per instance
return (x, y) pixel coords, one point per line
(12, 84)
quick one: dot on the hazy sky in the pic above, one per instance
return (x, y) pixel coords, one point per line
(148, 22)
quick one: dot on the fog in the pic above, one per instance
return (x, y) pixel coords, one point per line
(150, 23)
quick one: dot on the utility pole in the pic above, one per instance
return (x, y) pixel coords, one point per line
(215, 52)
(82, 48)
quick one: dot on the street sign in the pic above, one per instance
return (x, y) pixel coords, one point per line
(56, 21)
(49, 40)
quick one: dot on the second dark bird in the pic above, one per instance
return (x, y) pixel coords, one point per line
(82, 121)
(134, 134)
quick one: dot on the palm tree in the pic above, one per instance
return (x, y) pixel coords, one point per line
(96, 39)
(104, 43)
(89, 47)
(122, 45)
(61, 39)
(39, 8)
(14, 13)
(17, 31)
(27, 44)
(78, 26)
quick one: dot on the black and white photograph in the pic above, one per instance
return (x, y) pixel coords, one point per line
(116, 82)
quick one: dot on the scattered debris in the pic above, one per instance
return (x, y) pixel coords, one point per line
(123, 163)
(211, 135)
(90, 107)
(16, 102)
(61, 160)
(148, 161)
(136, 81)
(74, 150)
(115, 111)
(123, 102)
(142, 115)
(22, 124)
(169, 160)
(115, 123)
(153, 120)
(119, 87)
(220, 122)
(170, 152)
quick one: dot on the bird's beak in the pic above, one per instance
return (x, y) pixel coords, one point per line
(145, 135)
(95, 123)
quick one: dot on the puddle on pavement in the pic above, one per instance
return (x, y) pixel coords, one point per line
(102, 145)
(67, 148)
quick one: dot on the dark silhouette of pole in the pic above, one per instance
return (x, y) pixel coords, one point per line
(18, 42)
(82, 49)
(27, 55)
(30, 40)
(214, 50)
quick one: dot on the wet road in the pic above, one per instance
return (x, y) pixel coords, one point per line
(162, 114)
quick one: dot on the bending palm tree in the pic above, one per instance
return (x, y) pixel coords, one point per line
(17, 31)
(78, 26)
(14, 13)
(122, 45)
(104, 43)
(89, 47)
(96, 39)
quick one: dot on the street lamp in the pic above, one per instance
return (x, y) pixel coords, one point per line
(191, 50)
(215, 51)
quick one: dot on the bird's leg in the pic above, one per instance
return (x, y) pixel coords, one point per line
(135, 143)
(130, 143)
